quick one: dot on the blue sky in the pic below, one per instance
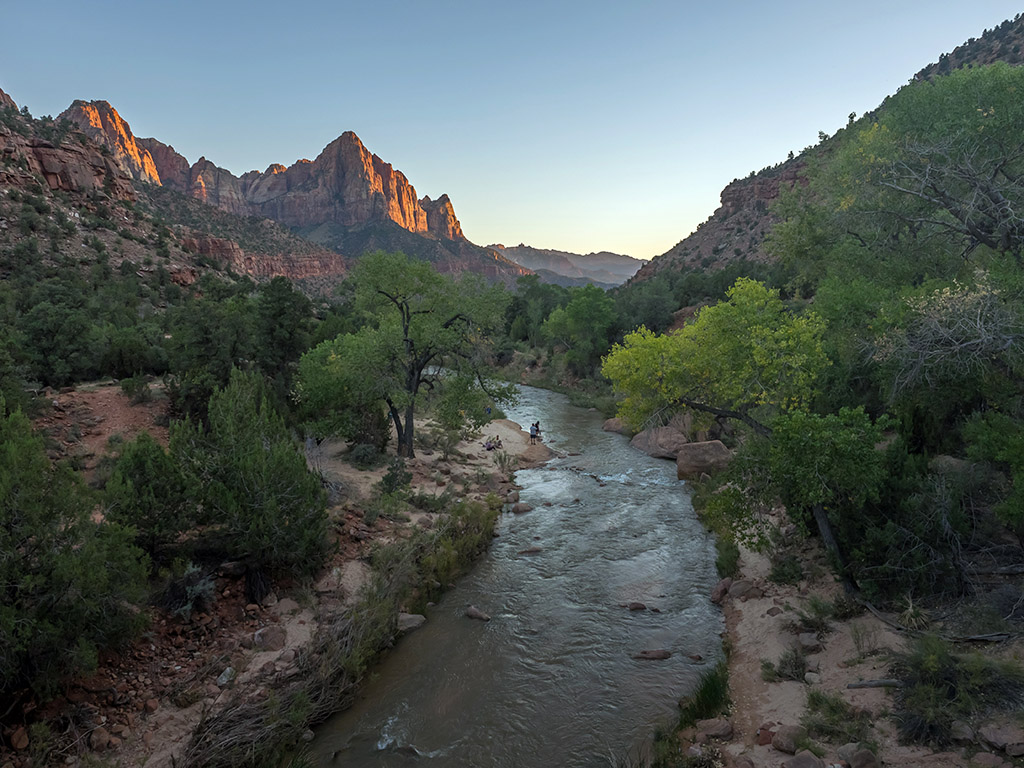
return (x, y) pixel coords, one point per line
(580, 126)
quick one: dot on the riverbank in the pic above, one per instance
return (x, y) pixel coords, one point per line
(144, 703)
(794, 651)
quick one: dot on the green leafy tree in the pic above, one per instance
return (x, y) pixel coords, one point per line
(422, 329)
(745, 358)
(583, 327)
(255, 486)
(68, 585)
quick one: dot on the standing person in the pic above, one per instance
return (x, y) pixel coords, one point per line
(533, 434)
(537, 425)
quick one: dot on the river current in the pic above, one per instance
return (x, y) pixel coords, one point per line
(551, 679)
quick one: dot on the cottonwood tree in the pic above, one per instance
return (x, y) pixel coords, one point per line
(749, 358)
(422, 329)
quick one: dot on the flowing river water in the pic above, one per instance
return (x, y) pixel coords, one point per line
(551, 679)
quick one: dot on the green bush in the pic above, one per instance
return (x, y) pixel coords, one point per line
(830, 717)
(786, 569)
(728, 559)
(255, 487)
(149, 492)
(70, 584)
(940, 687)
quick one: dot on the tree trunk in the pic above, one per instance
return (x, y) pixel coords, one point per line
(828, 538)
(405, 437)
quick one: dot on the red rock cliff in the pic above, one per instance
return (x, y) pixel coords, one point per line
(441, 220)
(100, 122)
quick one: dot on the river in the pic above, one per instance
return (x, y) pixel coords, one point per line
(551, 679)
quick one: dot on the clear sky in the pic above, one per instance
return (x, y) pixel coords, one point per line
(574, 125)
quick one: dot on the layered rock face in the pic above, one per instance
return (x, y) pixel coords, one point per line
(737, 229)
(70, 167)
(101, 123)
(6, 101)
(346, 184)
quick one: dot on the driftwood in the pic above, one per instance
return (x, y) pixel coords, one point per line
(883, 683)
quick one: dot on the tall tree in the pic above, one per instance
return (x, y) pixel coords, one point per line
(422, 328)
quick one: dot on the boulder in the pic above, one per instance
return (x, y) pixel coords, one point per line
(740, 588)
(19, 739)
(720, 590)
(809, 642)
(864, 758)
(226, 677)
(694, 458)
(999, 736)
(987, 760)
(636, 606)
(475, 613)
(659, 442)
(520, 508)
(787, 737)
(804, 759)
(407, 622)
(99, 739)
(716, 728)
(615, 425)
(270, 638)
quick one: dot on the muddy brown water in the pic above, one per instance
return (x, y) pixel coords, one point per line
(551, 679)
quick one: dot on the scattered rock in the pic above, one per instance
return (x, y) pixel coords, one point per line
(717, 728)
(152, 705)
(286, 606)
(530, 551)
(269, 600)
(19, 739)
(809, 642)
(407, 622)
(636, 606)
(231, 570)
(271, 638)
(226, 677)
(864, 758)
(740, 588)
(961, 731)
(520, 508)
(812, 678)
(804, 759)
(999, 735)
(987, 760)
(653, 655)
(720, 590)
(475, 613)
(774, 611)
(765, 734)
(787, 737)
(512, 497)
(99, 739)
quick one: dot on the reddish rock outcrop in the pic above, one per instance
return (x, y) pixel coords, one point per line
(101, 123)
(70, 167)
(218, 187)
(696, 458)
(294, 266)
(172, 168)
(441, 220)
(6, 101)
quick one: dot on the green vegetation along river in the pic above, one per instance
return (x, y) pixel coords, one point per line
(551, 679)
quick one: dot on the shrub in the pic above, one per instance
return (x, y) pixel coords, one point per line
(830, 717)
(149, 491)
(786, 569)
(70, 583)
(364, 456)
(940, 687)
(792, 665)
(728, 559)
(255, 486)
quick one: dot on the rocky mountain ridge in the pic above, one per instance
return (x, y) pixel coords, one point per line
(343, 199)
(738, 228)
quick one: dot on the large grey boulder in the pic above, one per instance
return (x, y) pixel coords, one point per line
(660, 442)
(615, 425)
(694, 458)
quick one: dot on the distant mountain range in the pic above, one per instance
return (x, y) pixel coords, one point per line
(604, 269)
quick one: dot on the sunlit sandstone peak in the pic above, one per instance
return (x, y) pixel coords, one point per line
(100, 122)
